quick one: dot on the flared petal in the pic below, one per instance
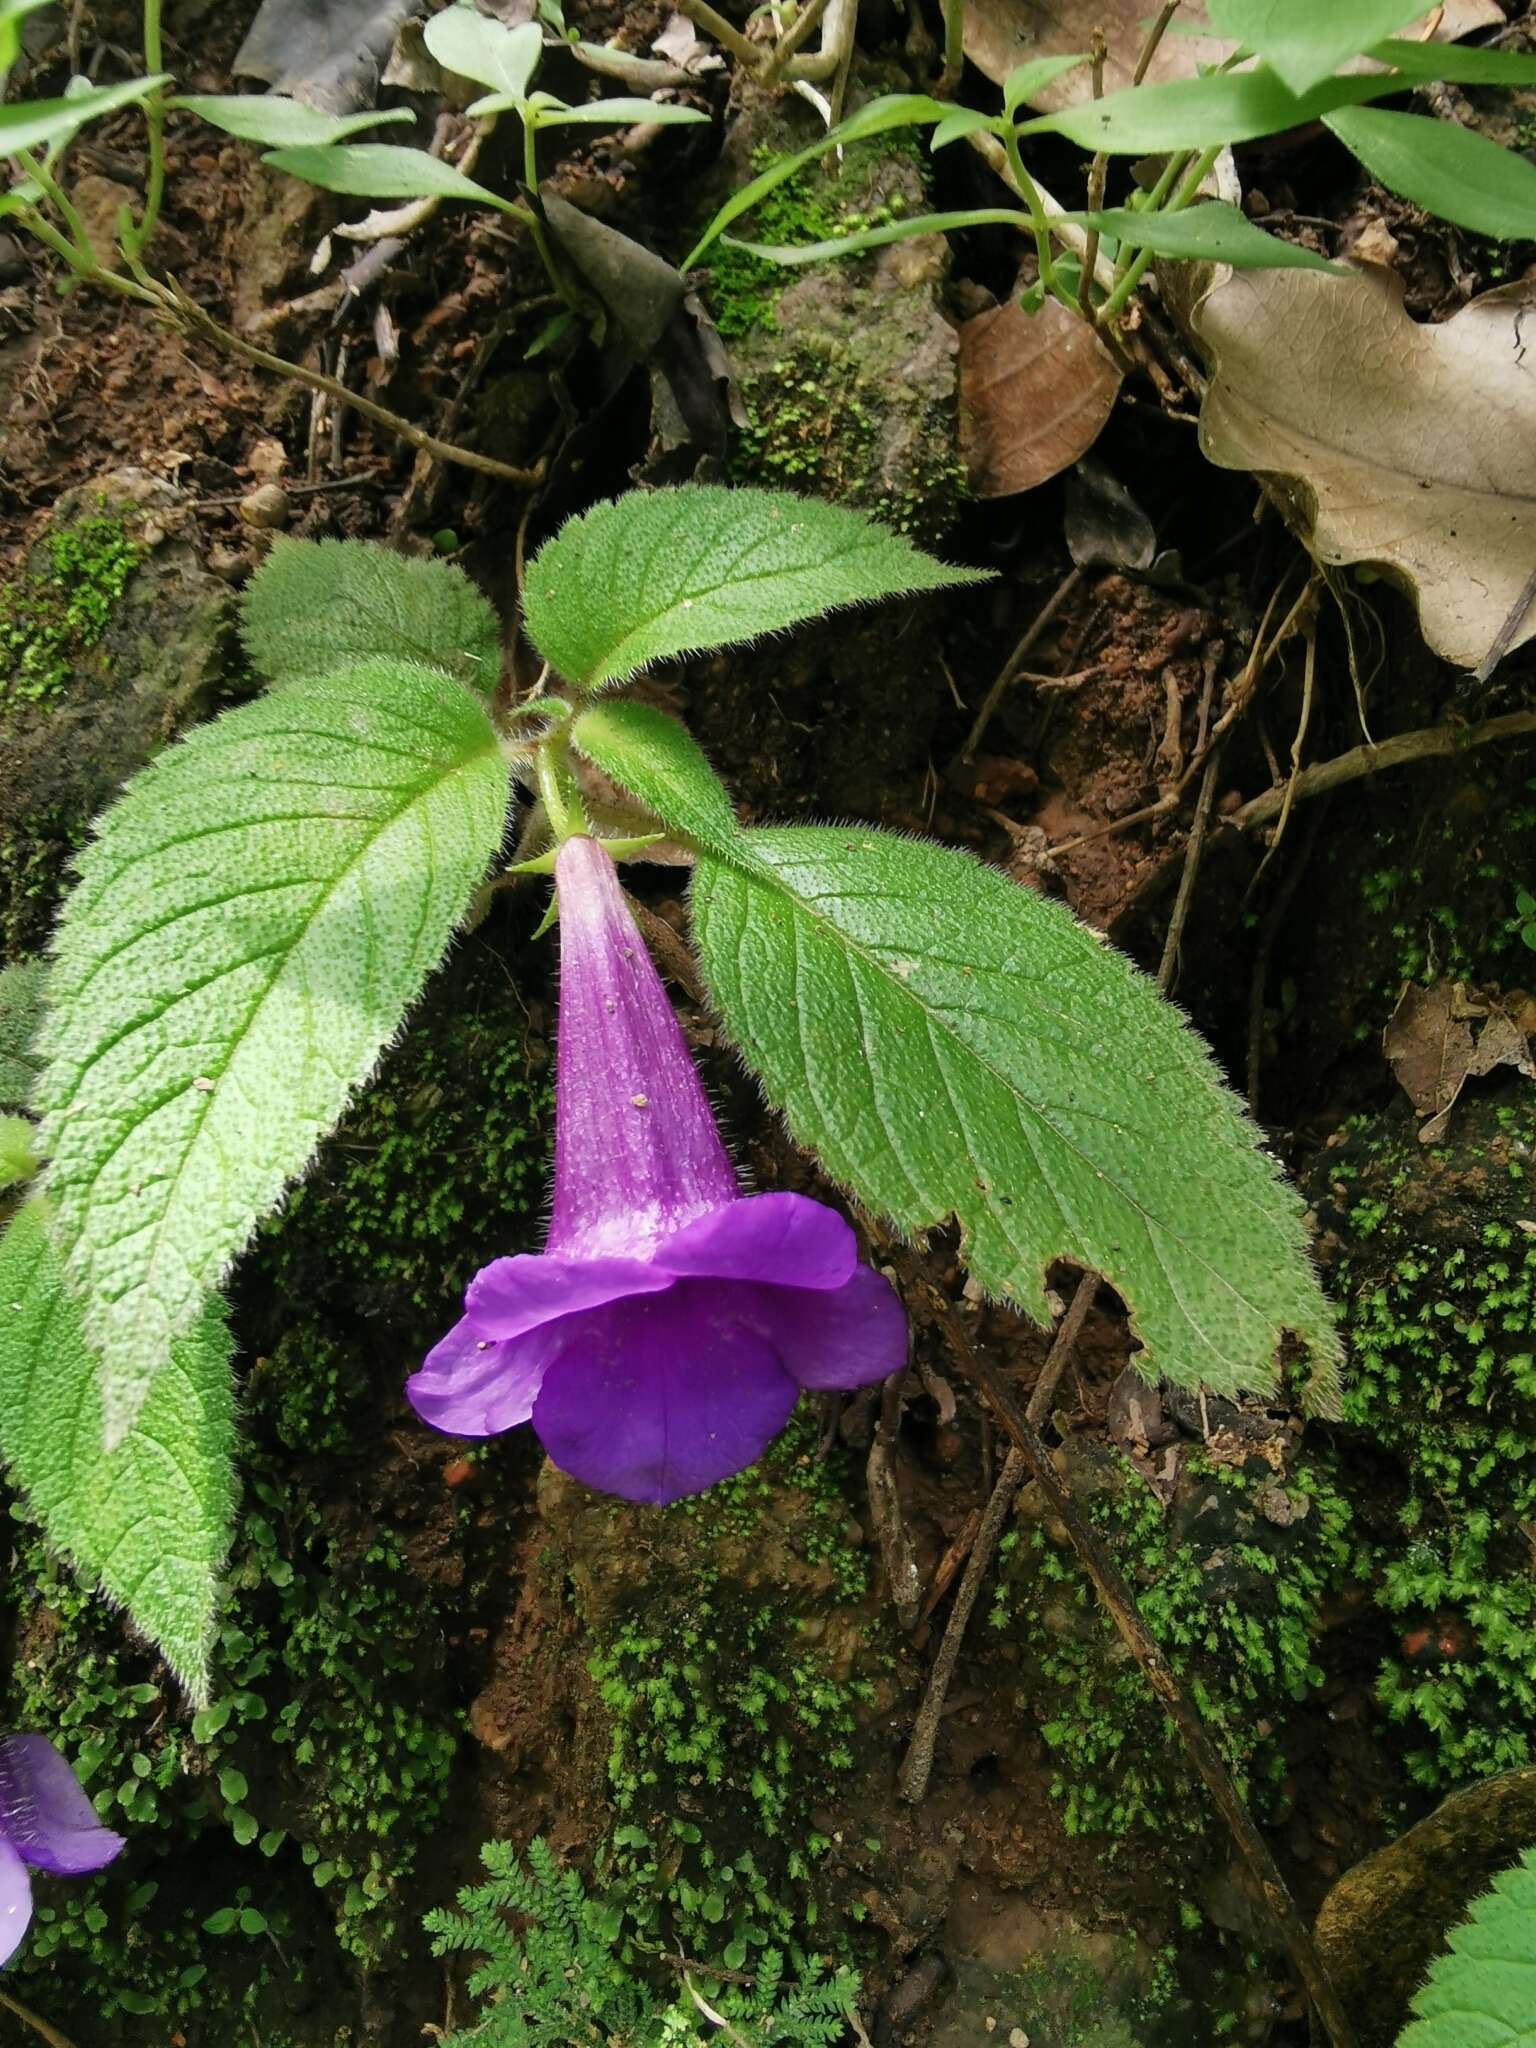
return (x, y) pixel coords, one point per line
(469, 1385)
(787, 1240)
(657, 1398)
(15, 1901)
(637, 1154)
(512, 1295)
(44, 1813)
(848, 1338)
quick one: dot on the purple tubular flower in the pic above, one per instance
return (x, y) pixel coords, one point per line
(662, 1337)
(47, 1823)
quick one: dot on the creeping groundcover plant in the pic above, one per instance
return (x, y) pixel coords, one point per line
(258, 910)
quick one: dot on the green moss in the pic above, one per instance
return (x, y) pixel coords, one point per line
(55, 612)
(1441, 1316)
(727, 1721)
(1237, 1620)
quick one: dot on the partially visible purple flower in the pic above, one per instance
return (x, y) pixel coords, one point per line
(46, 1823)
(661, 1339)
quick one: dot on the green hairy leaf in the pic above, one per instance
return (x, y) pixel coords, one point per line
(277, 121)
(1203, 113)
(18, 1150)
(891, 110)
(315, 606)
(1212, 232)
(1482, 1993)
(36, 124)
(383, 170)
(21, 1017)
(1448, 170)
(472, 45)
(955, 1046)
(1304, 40)
(650, 755)
(644, 577)
(257, 912)
(149, 1521)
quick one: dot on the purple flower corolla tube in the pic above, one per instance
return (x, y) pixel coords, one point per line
(46, 1823)
(660, 1340)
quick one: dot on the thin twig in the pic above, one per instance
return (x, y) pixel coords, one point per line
(1155, 36)
(1120, 1604)
(917, 1766)
(1015, 661)
(192, 315)
(1424, 744)
(39, 2026)
(1298, 746)
(1192, 853)
(333, 483)
(1504, 638)
(703, 16)
(1097, 172)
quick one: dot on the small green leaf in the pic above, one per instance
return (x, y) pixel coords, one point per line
(472, 45)
(1025, 80)
(892, 110)
(232, 1786)
(879, 238)
(38, 124)
(222, 1922)
(1212, 232)
(382, 170)
(252, 1922)
(19, 1156)
(1448, 170)
(1479, 1994)
(619, 113)
(1304, 40)
(149, 1521)
(12, 14)
(245, 1827)
(961, 122)
(954, 1046)
(21, 1019)
(652, 757)
(651, 575)
(211, 1721)
(276, 121)
(257, 912)
(314, 606)
(1458, 63)
(1203, 113)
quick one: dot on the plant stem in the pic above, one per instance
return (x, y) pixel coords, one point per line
(954, 48)
(1025, 185)
(137, 240)
(58, 198)
(1096, 175)
(702, 15)
(1115, 303)
(1425, 744)
(1155, 36)
(557, 785)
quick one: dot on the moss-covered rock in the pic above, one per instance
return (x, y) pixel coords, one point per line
(113, 636)
(848, 369)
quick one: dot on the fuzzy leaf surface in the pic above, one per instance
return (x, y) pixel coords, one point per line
(315, 606)
(652, 757)
(1482, 1993)
(256, 914)
(952, 1045)
(148, 1522)
(21, 1018)
(650, 575)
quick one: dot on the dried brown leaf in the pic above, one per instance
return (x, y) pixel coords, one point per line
(1035, 391)
(1411, 447)
(1429, 1045)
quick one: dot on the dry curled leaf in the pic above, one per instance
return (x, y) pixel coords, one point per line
(1410, 447)
(1035, 391)
(1431, 1050)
